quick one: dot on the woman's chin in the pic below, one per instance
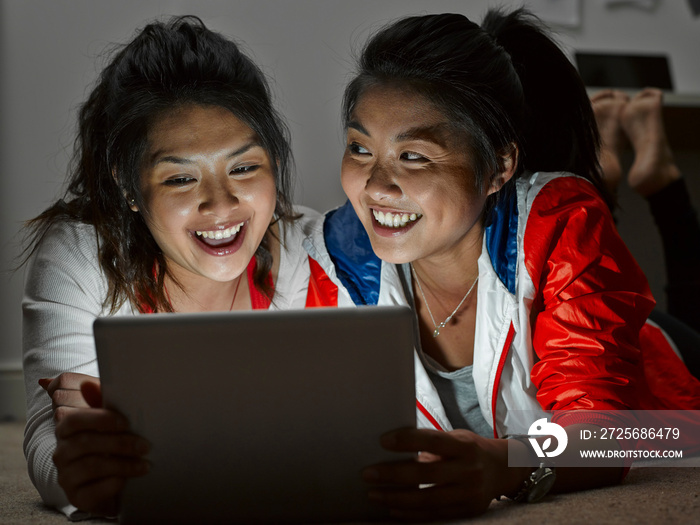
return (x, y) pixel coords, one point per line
(391, 255)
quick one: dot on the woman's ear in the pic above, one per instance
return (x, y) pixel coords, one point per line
(508, 164)
(130, 200)
(132, 203)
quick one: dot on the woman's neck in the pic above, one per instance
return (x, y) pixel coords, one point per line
(208, 295)
(445, 295)
(451, 273)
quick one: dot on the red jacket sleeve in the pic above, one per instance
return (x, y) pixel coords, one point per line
(590, 304)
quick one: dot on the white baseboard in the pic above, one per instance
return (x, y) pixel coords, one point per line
(12, 404)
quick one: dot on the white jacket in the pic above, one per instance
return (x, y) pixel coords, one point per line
(561, 305)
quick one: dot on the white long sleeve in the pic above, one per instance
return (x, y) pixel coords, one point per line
(64, 292)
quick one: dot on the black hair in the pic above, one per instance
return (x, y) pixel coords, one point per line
(502, 83)
(167, 65)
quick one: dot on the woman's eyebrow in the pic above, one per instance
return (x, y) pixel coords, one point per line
(170, 159)
(437, 134)
(246, 147)
(359, 127)
(174, 159)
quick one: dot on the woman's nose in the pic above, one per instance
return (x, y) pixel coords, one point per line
(382, 183)
(218, 197)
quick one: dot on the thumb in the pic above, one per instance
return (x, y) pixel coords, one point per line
(428, 457)
(92, 393)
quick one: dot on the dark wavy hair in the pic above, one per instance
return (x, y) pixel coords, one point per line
(502, 83)
(167, 65)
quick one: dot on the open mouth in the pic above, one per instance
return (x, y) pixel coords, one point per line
(395, 220)
(219, 241)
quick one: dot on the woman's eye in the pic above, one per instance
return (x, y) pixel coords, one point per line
(409, 155)
(242, 170)
(178, 181)
(356, 149)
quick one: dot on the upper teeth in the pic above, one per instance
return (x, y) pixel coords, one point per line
(220, 234)
(395, 220)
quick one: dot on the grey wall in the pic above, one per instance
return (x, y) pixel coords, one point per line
(51, 51)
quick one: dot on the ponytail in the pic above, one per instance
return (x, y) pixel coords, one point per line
(559, 131)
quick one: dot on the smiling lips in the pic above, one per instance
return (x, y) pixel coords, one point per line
(395, 220)
(219, 238)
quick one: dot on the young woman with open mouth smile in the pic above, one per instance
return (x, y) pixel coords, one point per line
(178, 201)
(208, 198)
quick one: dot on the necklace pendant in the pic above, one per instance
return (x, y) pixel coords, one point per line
(438, 328)
(443, 324)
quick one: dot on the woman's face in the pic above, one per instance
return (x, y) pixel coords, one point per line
(407, 173)
(209, 192)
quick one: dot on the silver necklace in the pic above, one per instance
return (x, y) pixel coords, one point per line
(442, 325)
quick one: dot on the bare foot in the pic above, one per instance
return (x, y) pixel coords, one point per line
(653, 168)
(608, 106)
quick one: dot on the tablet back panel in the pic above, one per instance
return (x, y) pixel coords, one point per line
(258, 416)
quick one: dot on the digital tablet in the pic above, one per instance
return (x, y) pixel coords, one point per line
(259, 416)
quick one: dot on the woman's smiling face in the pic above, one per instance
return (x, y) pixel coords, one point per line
(208, 190)
(407, 173)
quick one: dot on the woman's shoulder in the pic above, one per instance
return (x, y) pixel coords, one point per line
(562, 183)
(555, 194)
(65, 267)
(306, 214)
(295, 230)
(306, 220)
(68, 250)
(293, 275)
(69, 238)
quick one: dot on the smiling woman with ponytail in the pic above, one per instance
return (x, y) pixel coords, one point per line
(472, 175)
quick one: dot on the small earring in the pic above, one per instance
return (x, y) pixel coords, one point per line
(132, 204)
